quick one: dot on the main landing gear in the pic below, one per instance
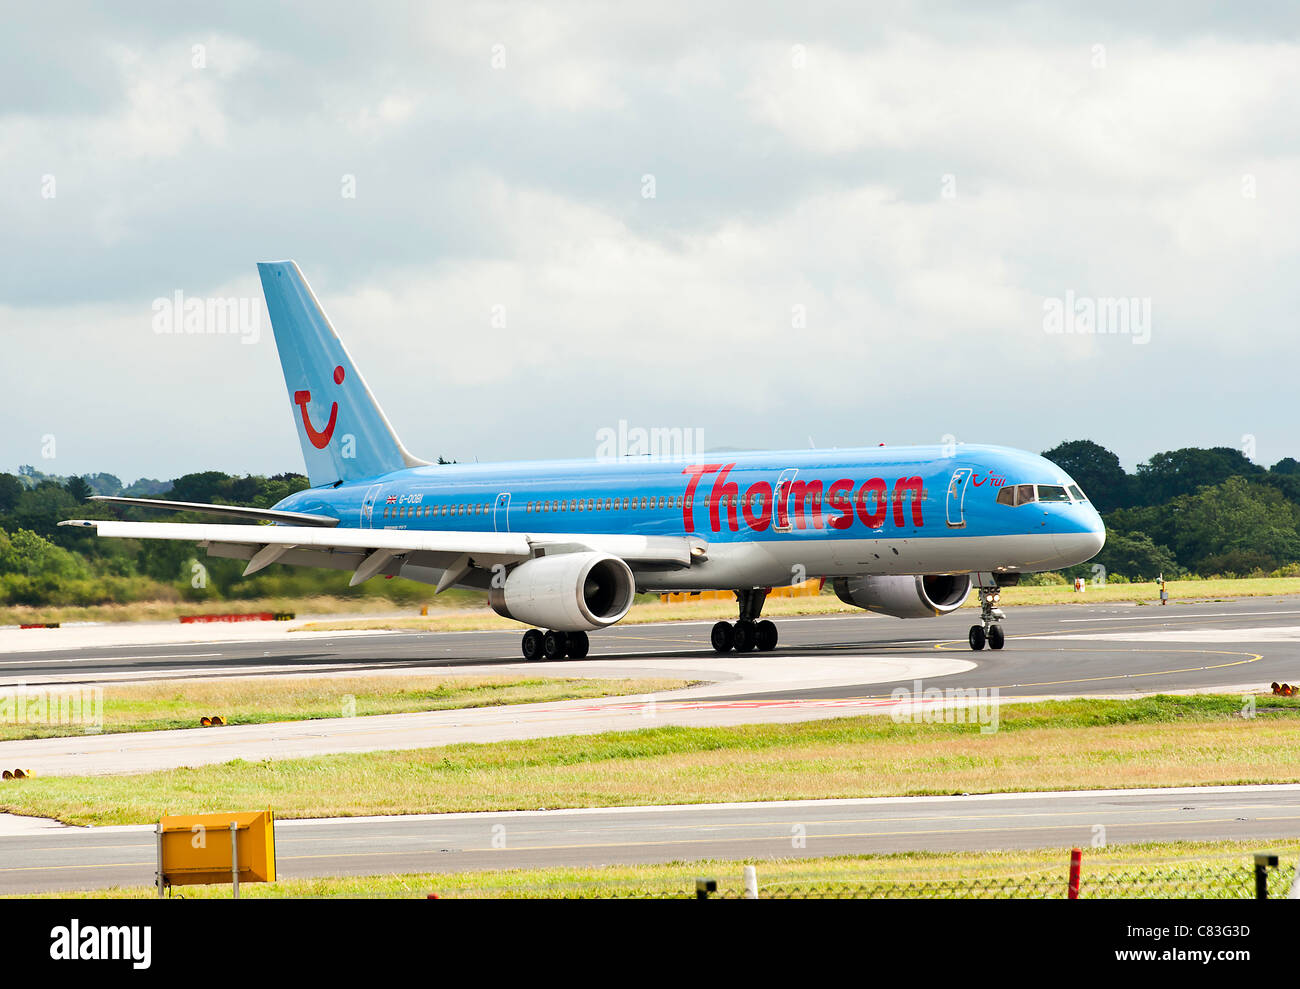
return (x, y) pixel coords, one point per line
(988, 630)
(555, 645)
(748, 633)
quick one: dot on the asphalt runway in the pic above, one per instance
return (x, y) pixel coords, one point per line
(827, 666)
(1077, 649)
(42, 856)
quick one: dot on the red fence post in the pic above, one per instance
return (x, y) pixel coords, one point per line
(1076, 859)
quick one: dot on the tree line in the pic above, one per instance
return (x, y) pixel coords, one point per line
(1192, 511)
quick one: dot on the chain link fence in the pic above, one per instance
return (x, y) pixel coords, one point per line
(1193, 881)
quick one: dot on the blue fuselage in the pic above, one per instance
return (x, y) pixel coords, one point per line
(954, 509)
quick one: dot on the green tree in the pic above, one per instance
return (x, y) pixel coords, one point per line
(1179, 472)
(26, 553)
(1134, 555)
(79, 488)
(11, 489)
(1254, 522)
(205, 486)
(105, 484)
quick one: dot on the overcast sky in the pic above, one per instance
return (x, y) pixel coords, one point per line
(776, 223)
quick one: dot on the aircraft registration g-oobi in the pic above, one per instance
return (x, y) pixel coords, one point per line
(564, 545)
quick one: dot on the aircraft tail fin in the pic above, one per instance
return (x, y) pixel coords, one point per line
(345, 435)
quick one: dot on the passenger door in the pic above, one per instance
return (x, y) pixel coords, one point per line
(501, 512)
(957, 497)
(781, 521)
(368, 506)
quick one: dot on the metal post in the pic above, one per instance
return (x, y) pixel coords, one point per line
(1263, 862)
(158, 873)
(1076, 861)
(234, 856)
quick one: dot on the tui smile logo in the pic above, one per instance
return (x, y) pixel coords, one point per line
(319, 438)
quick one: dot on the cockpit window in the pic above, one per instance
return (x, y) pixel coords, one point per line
(1016, 494)
(1028, 494)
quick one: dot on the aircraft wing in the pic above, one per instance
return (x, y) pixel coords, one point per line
(369, 552)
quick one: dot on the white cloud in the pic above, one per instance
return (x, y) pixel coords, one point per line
(1031, 109)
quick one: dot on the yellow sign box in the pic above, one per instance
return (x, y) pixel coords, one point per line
(197, 849)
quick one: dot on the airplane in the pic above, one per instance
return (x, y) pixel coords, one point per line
(563, 546)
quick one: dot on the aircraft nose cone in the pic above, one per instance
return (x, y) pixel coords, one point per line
(1079, 546)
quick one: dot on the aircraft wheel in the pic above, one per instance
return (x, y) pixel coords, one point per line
(765, 636)
(743, 639)
(579, 645)
(553, 644)
(976, 637)
(533, 644)
(996, 637)
(722, 637)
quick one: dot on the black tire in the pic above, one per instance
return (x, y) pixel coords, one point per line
(743, 639)
(722, 637)
(765, 636)
(532, 644)
(996, 637)
(579, 645)
(553, 644)
(976, 637)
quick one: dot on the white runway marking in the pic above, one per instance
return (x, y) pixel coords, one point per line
(1163, 616)
(106, 659)
(1277, 633)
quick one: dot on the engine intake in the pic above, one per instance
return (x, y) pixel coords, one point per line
(569, 592)
(922, 596)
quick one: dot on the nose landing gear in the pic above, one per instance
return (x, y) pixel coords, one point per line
(988, 631)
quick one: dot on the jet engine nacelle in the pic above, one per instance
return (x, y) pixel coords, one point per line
(922, 596)
(569, 592)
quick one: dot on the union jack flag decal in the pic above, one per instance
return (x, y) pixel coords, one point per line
(391, 500)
